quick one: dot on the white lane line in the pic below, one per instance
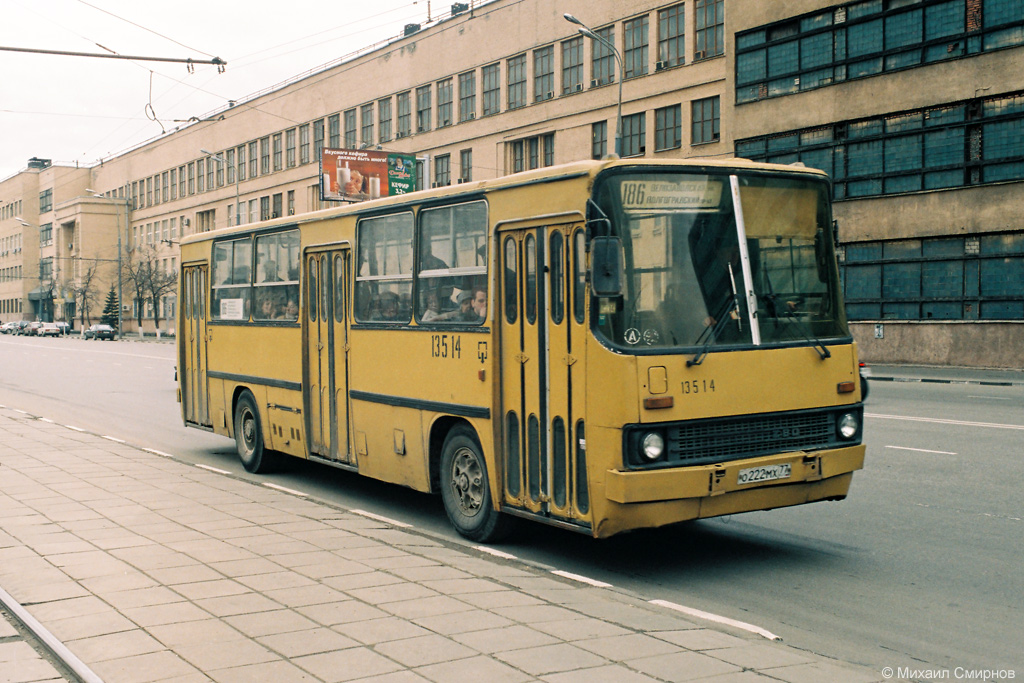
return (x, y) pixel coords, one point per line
(156, 452)
(994, 398)
(920, 450)
(115, 440)
(46, 419)
(285, 489)
(495, 552)
(23, 412)
(381, 518)
(77, 429)
(581, 579)
(708, 616)
(212, 469)
(962, 423)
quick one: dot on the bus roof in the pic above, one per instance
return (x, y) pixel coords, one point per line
(551, 173)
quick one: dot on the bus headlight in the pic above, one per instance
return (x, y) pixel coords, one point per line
(652, 446)
(848, 425)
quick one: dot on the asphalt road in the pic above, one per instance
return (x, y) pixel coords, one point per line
(919, 567)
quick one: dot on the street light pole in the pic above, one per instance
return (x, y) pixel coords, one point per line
(117, 219)
(589, 33)
(221, 160)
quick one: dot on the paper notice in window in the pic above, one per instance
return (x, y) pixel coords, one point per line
(659, 195)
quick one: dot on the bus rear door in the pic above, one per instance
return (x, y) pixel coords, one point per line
(195, 390)
(325, 322)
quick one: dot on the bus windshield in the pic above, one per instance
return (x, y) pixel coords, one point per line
(701, 272)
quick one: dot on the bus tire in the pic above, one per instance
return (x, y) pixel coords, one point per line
(249, 436)
(465, 489)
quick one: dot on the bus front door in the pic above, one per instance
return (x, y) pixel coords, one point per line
(326, 362)
(542, 377)
(195, 392)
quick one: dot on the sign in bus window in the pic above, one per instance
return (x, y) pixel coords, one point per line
(232, 273)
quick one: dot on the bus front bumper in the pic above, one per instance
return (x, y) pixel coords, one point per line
(817, 471)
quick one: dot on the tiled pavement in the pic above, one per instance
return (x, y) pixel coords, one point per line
(149, 569)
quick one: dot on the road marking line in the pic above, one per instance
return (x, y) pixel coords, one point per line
(962, 423)
(212, 469)
(46, 419)
(581, 579)
(285, 489)
(381, 518)
(110, 438)
(23, 412)
(496, 553)
(156, 452)
(77, 429)
(701, 614)
(921, 450)
(994, 398)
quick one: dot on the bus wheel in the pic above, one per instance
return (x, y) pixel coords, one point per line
(249, 436)
(465, 490)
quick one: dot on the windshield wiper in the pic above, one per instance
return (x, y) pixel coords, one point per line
(732, 308)
(805, 331)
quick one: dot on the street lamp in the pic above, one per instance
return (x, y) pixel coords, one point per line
(219, 159)
(117, 218)
(589, 33)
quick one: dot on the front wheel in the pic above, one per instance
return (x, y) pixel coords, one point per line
(466, 492)
(249, 436)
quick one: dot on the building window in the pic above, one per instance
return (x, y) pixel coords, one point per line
(174, 182)
(530, 153)
(46, 269)
(278, 206)
(544, 73)
(200, 180)
(671, 37)
(166, 192)
(668, 128)
(465, 166)
(334, 130)
(710, 23)
(634, 54)
(384, 114)
(46, 234)
(366, 125)
(211, 174)
(264, 156)
(491, 89)
(318, 139)
(191, 182)
(442, 170)
(705, 120)
(634, 135)
(602, 65)
(404, 115)
(45, 201)
(516, 81)
(303, 145)
(444, 103)
(289, 149)
(252, 161)
(599, 140)
(572, 65)
(264, 208)
(240, 158)
(423, 107)
(291, 202)
(181, 181)
(350, 129)
(278, 153)
(467, 96)
(231, 166)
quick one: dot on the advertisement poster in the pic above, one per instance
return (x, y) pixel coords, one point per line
(354, 175)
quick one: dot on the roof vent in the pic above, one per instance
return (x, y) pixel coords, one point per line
(36, 162)
(411, 29)
(459, 8)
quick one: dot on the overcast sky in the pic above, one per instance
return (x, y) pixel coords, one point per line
(81, 109)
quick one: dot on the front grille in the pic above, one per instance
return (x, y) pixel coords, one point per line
(700, 442)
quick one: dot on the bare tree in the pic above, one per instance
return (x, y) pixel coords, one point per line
(135, 267)
(84, 291)
(149, 280)
(159, 282)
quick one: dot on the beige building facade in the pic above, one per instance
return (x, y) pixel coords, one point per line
(503, 86)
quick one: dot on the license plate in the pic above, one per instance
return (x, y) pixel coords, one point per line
(754, 475)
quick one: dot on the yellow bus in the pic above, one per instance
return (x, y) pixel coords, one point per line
(603, 346)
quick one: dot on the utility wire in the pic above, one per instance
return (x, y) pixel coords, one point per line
(128, 21)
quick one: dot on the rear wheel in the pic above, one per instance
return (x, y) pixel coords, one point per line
(249, 436)
(466, 491)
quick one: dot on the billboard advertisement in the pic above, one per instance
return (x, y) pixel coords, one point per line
(354, 175)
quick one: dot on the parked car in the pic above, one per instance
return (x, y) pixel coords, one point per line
(32, 329)
(9, 328)
(48, 330)
(865, 372)
(21, 326)
(99, 332)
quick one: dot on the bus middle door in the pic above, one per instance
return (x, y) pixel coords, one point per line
(326, 362)
(195, 390)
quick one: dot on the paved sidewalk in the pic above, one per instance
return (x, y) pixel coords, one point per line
(150, 569)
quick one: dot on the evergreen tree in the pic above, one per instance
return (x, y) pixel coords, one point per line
(110, 309)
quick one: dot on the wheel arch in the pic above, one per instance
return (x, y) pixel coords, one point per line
(439, 432)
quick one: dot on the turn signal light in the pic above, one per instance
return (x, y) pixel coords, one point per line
(658, 402)
(846, 387)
